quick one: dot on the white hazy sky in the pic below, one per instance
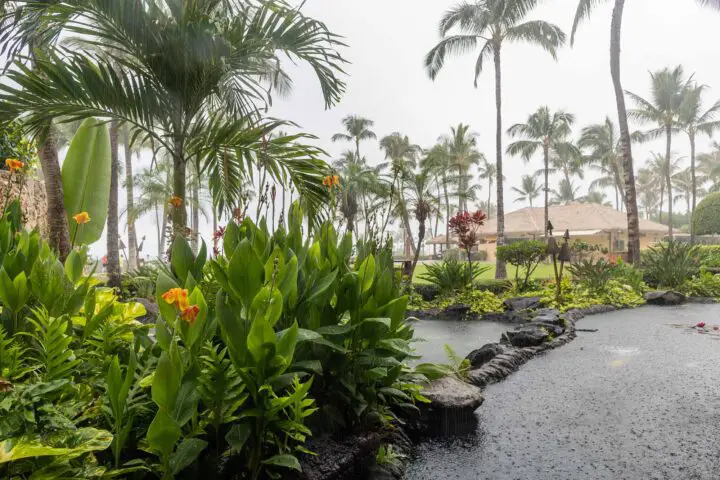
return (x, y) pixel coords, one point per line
(386, 81)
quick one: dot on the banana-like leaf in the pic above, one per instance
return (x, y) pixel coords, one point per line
(69, 444)
(86, 180)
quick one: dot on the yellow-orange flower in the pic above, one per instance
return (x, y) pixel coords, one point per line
(190, 314)
(177, 297)
(175, 201)
(81, 218)
(331, 181)
(336, 180)
(14, 164)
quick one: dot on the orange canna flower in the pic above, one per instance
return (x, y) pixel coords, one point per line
(190, 314)
(336, 180)
(81, 218)
(327, 181)
(14, 164)
(175, 201)
(177, 297)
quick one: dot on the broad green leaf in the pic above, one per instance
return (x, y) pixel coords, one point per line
(245, 272)
(395, 310)
(163, 433)
(182, 258)
(233, 327)
(285, 461)
(261, 334)
(186, 401)
(237, 436)
(8, 294)
(231, 238)
(165, 383)
(192, 332)
(69, 444)
(74, 265)
(322, 286)
(366, 272)
(165, 283)
(267, 304)
(186, 453)
(86, 180)
(286, 342)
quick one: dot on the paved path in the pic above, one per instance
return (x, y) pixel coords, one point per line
(639, 399)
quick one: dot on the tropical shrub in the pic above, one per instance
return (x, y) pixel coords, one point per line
(709, 256)
(670, 264)
(704, 285)
(496, 286)
(452, 275)
(596, 274)
(706, 217)
(577, 295)
(14, 145)
(297, 340)
(525, 256)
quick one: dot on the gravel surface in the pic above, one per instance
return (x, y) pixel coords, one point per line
(639, 399)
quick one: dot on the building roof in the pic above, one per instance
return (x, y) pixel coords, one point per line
(579, 218)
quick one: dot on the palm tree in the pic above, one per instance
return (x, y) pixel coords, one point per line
(113, 234)
(567, 160)
(439, 162)
(566, 193)
(421, 201)
(545, 131)
(130, 199)
(661, 170)
(595, 196)
(488, 171)
(668, 91)
(529, 189)
(603, 141)
(208, 110)
(357, 129)
(492, 23)
(647, 192)
(683, 181)
(694, 120)
(463, 152)
(403, 156)
(708, 168)
(356, 181)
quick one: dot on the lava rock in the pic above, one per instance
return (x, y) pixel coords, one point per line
(553, 328)
(521, 303)
(664, 297)
(451, 407)
(484, 354)
(151, 310)
(527, 336)
(573, 315)
(336, 458)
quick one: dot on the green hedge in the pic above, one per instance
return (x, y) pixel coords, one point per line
(706, 219)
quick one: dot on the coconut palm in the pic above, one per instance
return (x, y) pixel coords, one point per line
(357, 179)
(402, 156)
(488, 171)
(694, 120)
(492, 23)
(130, 199)
(543, 131)
(708, 169)
(422, 203)
(438, 162)
(596, 196)
(529, 189)
(669, 88)
(205, 110)
(357, 129)
(683, 183)
(605, 154)
(568, 161)
(462, 149)
(661, 171)
(566, 193)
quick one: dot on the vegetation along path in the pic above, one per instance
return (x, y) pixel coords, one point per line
(636, 399)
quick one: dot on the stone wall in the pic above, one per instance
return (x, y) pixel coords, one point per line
(32, 200)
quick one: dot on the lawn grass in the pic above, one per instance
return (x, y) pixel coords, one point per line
(543, 271)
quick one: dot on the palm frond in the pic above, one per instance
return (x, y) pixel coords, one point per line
(583, 12)
(548, 36)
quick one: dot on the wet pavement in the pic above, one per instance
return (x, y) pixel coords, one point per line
(639, 399)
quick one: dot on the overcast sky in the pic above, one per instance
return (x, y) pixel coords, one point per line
(386, 81)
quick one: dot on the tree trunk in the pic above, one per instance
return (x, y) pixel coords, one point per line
(421, 236)
(489, 196)
(158, 226)
(630, 196)
(499, 265)
(668, 145)
(113, 234)
(196, 214)
(694, 186)
(129, 193)
(447, 215)
(179, 214)
(406, 224)
(546, 157)
(58, 230)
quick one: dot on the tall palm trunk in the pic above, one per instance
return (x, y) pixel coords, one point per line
(129, 193)
(58, 230)
(421, 237)
(499, 265)
(694, 185)
(546, 157)
(668, 145)
(179, 214)
(630, 196)
(490, 182)
(195, 241)
(113, 235)
(447, 214)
